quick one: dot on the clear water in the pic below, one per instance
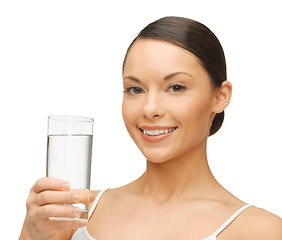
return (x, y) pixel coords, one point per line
(69, 158)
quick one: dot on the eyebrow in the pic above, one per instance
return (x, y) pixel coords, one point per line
(165, 78)
(173, 74)
(132, 78)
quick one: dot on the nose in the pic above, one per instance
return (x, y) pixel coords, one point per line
(153, 106)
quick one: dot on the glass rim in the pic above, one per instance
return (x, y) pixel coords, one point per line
(70, 118)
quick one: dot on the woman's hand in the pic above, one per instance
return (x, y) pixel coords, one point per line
(52, 197)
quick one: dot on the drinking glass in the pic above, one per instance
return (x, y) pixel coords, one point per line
(69, 151)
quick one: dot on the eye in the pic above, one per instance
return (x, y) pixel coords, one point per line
(133, 90)
(176, 88)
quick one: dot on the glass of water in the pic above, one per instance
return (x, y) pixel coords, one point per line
(69, 151)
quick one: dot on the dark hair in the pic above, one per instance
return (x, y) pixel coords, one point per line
(197, 39)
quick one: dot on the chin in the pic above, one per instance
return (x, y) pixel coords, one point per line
(157, 160)
(157, 156)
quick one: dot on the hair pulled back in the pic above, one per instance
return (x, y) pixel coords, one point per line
(197, 39)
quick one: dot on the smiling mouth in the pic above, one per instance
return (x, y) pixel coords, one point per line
(158, 132)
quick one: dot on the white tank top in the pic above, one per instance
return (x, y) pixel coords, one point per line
(82, 233)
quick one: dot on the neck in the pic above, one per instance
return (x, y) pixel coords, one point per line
(188, 176)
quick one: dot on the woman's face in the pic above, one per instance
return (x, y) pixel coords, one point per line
(168, 100)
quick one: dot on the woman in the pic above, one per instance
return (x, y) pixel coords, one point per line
(175, 93)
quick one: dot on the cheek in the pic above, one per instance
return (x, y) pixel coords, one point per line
(194, 115)
(129, 112)
(125, 113)
(130, 116)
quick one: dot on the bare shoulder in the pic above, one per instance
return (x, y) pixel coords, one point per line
(261, 224)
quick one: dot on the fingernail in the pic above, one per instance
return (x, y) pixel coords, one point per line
(76, 197)
(65, 186)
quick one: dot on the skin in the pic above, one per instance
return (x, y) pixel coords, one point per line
(47, 198)
(177, 166)
(177, 197)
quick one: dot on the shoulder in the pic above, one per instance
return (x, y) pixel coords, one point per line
(260, 224)
(94, 194)
(266, 225)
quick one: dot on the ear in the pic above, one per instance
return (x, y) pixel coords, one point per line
(223, 97)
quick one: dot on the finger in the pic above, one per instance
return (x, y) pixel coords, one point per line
(91, 197)
(49, 183)
(56, 210)
(56, 197)
(60, 225)
(65, 225)
(63, 197)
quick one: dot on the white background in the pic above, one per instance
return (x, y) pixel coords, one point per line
(65, 57)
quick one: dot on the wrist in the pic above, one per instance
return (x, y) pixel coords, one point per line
(26, 233)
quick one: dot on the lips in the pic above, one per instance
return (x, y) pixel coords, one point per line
(156, 133)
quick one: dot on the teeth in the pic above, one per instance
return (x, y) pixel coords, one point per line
(157, 132)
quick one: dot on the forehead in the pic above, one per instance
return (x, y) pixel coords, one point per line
(159, 57)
